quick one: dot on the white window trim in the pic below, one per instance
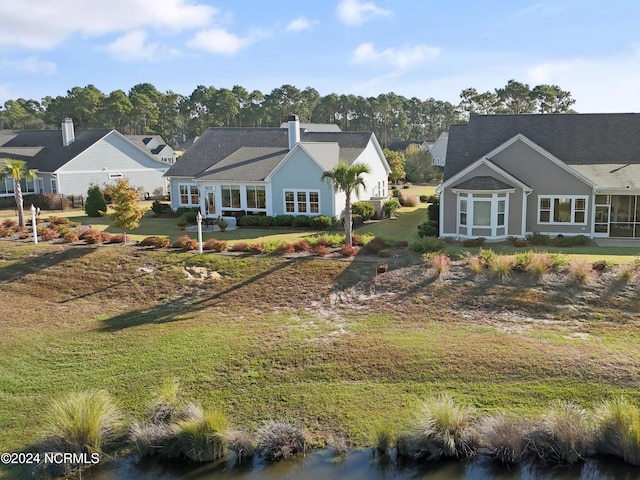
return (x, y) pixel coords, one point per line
(189, 204)
(573, 198)
(473, 197)
(295, 203)
(242, 191)
(245, 190)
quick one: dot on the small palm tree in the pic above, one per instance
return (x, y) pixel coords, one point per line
(346, 178)
(17, 170)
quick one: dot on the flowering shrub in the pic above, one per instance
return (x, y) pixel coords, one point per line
(185, 242)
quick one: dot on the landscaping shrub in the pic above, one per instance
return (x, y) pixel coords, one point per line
(280, 439)
(189, 210)
(424, 199)
(502, 266)
(538, 239)
(7, 232)
(83, 422)
(160, 208)
(389, 207)
(61, 229)
(91, 236)
(215, 245)
(475, 263)
(364, 209)
(433, 210)
(156, 241)
(286, 247)
(487, 257)
(626, 272)
(349, 250)
(185, 242)
(356, 220)
(9, 223)
(407, 185)
(255, 221)
(321, 222)
(441, 430)
(105, 237)
(256, 248)
(321, 250)
(301, 221)
(70, 237)
(302, 246)
(49, 234)
(428, 244)
(58, 220)
(238, 247)
(283, 220)
(430, 228)
(48, 201)
(522, 260)
(116, 238)
(408, 200)
(96, 205)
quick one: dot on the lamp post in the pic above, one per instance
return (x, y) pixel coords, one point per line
(199, 220)
(34, 224)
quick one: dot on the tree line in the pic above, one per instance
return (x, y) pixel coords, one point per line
(146, 110)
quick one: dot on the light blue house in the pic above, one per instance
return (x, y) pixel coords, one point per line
(273, 171)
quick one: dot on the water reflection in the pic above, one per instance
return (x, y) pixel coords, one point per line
(358, 464)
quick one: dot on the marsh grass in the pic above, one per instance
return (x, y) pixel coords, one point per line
(200, 438)
(242, 443)
(442, 429)
(83, 422)
(564, 435)
(502, 437)
(278, 439)
(383, 437)
(618, 426)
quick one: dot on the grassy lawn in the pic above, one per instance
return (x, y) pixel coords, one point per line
(317, 341)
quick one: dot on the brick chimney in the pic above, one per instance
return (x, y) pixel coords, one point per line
(68, 134)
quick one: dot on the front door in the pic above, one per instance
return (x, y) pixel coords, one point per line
(210, 201)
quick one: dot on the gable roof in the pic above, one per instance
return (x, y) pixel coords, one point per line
(578, 140)
(216, 145)
(43, 149)
(315, 127)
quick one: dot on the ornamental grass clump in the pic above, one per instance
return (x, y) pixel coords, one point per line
(540, 265)
(443, 429)
(200, 438)
(241, 443)
(279, 439)
(627, 271)
(502, 266)
(501, 436)
(618, 426)
(215, 245)
(581, 271)
(439, 261)
(564, 435)
(83, 422)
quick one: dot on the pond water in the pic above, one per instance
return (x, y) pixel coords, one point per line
(356, 465)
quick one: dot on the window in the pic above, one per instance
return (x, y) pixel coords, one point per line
(562, 209)
(256, 197)
(501, 209)
(463, 212)
(54, 186)
(230, 196)
(482, 213)
(3, 186)
(189, 195)
(302, 201)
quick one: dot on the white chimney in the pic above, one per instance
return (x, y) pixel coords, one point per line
(294, 131)
(68, 135)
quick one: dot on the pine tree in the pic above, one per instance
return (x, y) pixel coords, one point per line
(96, 205)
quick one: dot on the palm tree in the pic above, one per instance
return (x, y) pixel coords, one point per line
(346, 178)
(17, 170)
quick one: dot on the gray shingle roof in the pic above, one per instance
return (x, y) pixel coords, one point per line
(245, 164)
(216, 144)
(576, 139)
(50, 154)
(483, 183)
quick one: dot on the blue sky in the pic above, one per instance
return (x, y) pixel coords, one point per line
(364, 47)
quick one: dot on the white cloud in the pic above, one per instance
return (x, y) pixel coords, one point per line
(356, 12)
(217, 40)
(299, 24)
(43, 24)
(133, 47)
(401, 58)
(30, 65)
